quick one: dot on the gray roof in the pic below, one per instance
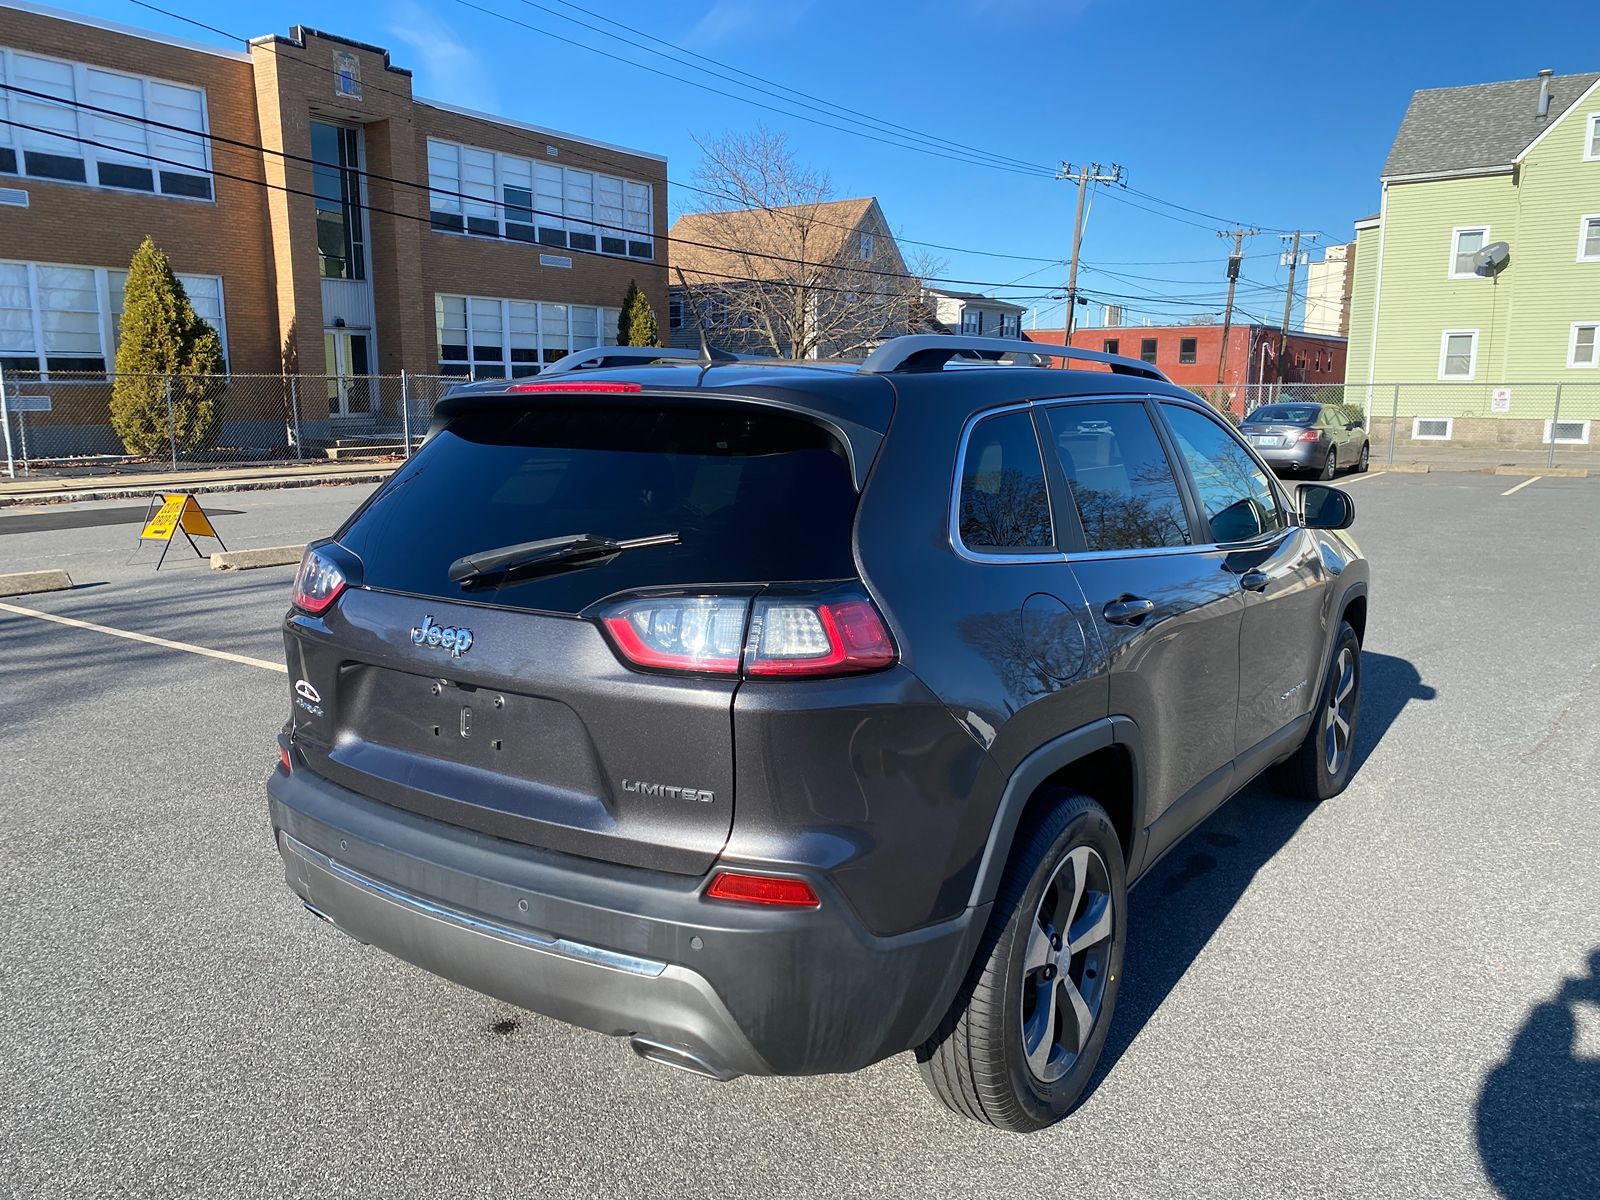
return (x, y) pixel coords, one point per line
(977, 298)
(1484, 125)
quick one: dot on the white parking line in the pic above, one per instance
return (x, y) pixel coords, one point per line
(206, 651)
(1522, 485)
(1369, 475)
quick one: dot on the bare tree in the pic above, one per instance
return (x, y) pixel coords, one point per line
(783, 267)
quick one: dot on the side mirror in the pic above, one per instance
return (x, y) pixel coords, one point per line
(1321, 507)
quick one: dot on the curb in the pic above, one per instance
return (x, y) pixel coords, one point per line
(140, 492)
(1409, 468)
(26, 583)
(1546, 472)
(248, 560)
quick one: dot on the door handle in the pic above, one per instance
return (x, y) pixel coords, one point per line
(1129, 610)
(1254, 581)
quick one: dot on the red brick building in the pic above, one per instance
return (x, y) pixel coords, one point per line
(1188, 354)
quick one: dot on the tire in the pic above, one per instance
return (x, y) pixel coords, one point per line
(977, 1062)
(1330, 465)
(1320, 768)
(1364, 463)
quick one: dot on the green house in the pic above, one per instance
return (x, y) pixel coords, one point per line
(1477, 283)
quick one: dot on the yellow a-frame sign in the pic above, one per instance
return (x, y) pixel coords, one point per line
(179, 513)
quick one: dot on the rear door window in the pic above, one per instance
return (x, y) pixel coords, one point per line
(1235, 495)
(755, 495)
(1004, 505)
(1120, 478)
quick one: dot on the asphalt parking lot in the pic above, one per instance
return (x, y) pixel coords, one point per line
(1395, 994)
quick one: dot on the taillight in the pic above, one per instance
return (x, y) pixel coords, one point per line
(762, 889)
(800, 637)
(1310, 435)
(775, 637)
(284, 759)
(318, 583)
(680, 633)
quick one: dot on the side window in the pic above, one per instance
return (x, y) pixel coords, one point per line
(1004, 504)
(1234, 492)
(1119, 476)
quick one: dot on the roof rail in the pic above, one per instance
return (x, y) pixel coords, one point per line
(930, 352)
(615, 356)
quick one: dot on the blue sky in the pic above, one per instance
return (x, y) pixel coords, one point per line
(1278, 115)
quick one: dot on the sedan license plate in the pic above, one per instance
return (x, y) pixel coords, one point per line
(1267, 440)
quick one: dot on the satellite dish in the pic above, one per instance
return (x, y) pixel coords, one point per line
(1491, 258)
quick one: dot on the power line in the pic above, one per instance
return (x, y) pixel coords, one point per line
(760, 84)
(1040, 173)
(570, 152)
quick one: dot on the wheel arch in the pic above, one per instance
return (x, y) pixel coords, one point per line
(1101, 760)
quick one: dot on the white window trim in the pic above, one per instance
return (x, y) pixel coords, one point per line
(1572, 346)
(1583, 231)
(550, 219)
(90, 153)
(105, 316)
(1472, 361)
(1591, 138)
(1455, 237)
(1581, 440)
(606, 331)
(1418, 436)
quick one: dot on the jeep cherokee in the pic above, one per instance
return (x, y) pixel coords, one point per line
(781, 717)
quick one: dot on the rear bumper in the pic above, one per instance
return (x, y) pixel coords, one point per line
(724, 988)
(1301, 456)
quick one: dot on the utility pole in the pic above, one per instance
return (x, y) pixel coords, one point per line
(1083, 176)
(1288, 299)
(1235, 262)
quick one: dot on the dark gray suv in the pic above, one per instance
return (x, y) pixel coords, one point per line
(782, 717)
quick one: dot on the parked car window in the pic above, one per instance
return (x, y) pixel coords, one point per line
(1004, 502)
(1234, 492)
(1119, 476)
(1284, 414)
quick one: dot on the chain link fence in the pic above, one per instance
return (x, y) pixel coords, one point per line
(63, 424)
(1461, 424)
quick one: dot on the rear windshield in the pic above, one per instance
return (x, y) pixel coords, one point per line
(1284, 414)
(756, 496)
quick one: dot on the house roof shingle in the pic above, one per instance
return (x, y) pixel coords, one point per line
(813, 232)
(1480, 126)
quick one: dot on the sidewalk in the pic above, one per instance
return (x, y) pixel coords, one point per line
(139, 484)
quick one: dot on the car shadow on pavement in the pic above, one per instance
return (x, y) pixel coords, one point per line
(1539, 1111)
(1180, 903)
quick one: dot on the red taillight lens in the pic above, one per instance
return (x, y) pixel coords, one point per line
(283, 758)
(762, 889)
(680, 633)
(318, 584)
(577, 385)
(1310, 435)
(803, 637)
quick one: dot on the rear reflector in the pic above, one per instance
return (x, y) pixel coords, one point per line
(577, 385)
(762, 889)
(283, 757)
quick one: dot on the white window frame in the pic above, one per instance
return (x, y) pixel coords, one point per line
(1418, 436)
(637, 202)
(1583, 237)
(93, 156)
(864, 244)
(1455, 240)
(1572, 346)
(606, 330)
(1591, 139)
(105, 314)
(1472, 360)
(1581, 440)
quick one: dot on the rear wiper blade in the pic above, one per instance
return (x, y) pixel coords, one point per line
(566, 552)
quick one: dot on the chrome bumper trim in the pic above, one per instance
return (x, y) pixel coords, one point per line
(577, 951)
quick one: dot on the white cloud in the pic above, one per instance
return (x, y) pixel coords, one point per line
(735, 20)
(446, 68)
